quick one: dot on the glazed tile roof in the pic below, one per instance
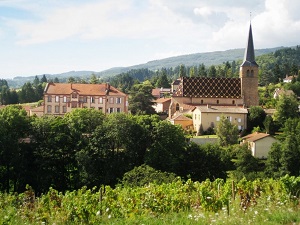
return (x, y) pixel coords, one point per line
(81, 89)
(205, 87)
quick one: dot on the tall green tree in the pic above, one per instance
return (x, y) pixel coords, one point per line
(140, 99)
(227, 133)
(14, 125)
(286, 107)
(256, 117)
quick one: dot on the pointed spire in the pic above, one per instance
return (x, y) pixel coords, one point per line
(249, 57)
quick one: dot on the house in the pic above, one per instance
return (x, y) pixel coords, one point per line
(160, 92)
(60, 98)
(234, 93)
(289, 79)
(38, 111)
(162, 105)
(278, 92)
(259, 144)
(209, 116)
(182, 120)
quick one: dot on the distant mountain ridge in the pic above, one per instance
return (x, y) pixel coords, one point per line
(207, 58)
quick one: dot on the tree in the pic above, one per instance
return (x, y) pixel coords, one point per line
(212, 72)
(285, 155)
(182, 71)
(14, 125)
(227, 133)
(94, 79)
(140, 99)
(167, 148)
(202, 71)
(144, 174)
(286, 107)
(54, 153)
(269, 125)
(256, 117)
(207, 161)
(163, 79)
(44, 79)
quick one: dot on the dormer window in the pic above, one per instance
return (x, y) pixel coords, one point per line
(74, 95)
(177, 107)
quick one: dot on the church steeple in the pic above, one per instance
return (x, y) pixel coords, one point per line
(249, 75)
(249, 57)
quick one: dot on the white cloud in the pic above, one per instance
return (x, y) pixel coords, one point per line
(203, 11)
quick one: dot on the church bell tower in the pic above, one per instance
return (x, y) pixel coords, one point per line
(249, 75)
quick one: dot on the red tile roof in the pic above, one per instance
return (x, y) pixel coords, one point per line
(162, 100)
(255, 136)
(82, 89)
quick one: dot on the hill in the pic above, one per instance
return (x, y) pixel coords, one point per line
(208, 59)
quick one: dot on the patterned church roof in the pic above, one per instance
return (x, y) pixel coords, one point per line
(205, 87)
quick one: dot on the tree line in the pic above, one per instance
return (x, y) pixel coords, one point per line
(88, 148)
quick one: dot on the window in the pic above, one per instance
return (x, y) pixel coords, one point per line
(100, 109)
(111, 100)
(92, 100)
(64, 109)
(202, 101)
(248, 73)
(74, 105)
(217, 101)
(111, 110)
(49, 98)
(118, 100)
(49, 109)
(177, 107)
(218, 118)
(80, 99)
(56, 98)
(65, 99)
(100, 100)
(233, 102)
(85, 99)
(239, 120)
(118, 110)
(229, 118)
(199, 117)
(57, 109)
(74, 95)
(252, 73)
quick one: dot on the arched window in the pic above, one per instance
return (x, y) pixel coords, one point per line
(252, 73)
(177, 107)
(248, 73)
(233, 102)
(217, 101)
(201, 101)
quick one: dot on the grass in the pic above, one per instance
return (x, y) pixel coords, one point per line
(263, 213)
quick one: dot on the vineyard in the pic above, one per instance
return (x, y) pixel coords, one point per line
(265, 201)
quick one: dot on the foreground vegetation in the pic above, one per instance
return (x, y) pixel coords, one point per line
(265, 201)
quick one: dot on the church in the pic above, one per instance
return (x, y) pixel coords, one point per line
(206, 99)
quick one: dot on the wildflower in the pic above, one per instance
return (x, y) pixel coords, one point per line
(255, 212)
(98, 213)
(107, 209)
(109, 216)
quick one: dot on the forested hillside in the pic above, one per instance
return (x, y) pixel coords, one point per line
(208, 59)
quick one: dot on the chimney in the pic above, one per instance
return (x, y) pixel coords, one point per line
(107, 88)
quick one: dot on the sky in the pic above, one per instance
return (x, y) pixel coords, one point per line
(56, 36)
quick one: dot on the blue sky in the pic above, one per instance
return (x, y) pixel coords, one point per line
(56, 36)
